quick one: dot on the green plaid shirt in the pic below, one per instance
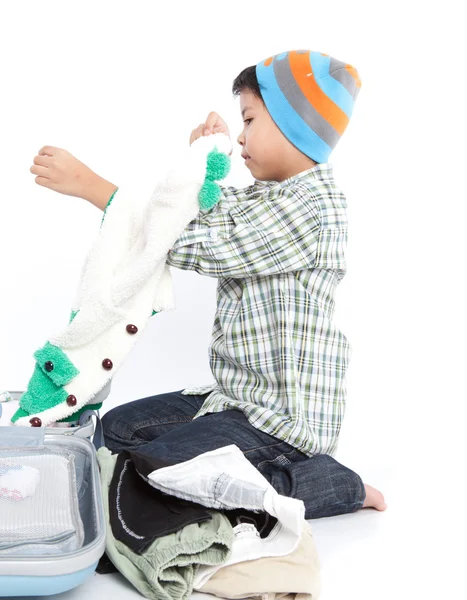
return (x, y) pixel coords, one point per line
(277, 250)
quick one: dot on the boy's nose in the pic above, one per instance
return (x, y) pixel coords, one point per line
(240, 139)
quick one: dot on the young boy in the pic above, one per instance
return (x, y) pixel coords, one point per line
(277, 250)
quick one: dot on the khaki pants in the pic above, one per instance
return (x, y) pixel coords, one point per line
(295, 576)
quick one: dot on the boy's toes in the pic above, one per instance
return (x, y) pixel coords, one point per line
(374, 498)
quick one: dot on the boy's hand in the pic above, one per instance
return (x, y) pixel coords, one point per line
(213, 124)
(60, 171)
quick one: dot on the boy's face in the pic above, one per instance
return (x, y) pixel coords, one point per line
(267, 152)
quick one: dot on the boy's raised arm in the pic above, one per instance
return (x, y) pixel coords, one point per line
(60, 171)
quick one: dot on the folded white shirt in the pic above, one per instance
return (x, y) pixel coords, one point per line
(225, 479)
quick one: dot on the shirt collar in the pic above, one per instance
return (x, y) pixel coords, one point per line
(319, 171)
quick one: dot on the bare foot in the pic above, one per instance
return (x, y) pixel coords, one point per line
(374, 499)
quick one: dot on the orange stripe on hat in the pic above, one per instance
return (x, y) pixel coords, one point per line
(301, 69)
(353, 72)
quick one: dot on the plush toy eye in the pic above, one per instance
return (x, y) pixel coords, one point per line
(49, 366)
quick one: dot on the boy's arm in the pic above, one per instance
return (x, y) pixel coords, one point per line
(241, 236)
(100, 193)
(62, 172)
(274, 233)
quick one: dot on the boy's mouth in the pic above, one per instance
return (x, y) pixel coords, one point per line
(246, 157)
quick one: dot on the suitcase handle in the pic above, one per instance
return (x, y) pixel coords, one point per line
(98, 437)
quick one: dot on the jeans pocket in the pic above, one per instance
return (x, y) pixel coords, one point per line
(280, 462)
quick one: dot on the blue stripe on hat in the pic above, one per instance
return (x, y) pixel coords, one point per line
(330, 86)
(287, 119)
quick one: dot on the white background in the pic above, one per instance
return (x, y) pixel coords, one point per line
(121, 85)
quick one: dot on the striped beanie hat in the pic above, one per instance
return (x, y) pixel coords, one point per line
(310, 97)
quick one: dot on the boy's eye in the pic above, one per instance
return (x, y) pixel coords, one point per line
(247, 120)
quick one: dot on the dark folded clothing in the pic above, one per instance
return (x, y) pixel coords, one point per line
(263, 521)
(105, 566)
(139, 513)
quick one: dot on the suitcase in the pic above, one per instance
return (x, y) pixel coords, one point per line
(59, 563)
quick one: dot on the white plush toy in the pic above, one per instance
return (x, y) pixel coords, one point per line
(124, 281)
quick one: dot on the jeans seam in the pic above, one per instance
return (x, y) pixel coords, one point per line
(152, 422)
(351, 506)
(362, 490)
(263, 447)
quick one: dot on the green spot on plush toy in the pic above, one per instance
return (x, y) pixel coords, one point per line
(218, 166)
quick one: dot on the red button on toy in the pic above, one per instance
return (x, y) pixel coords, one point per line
(107, 364)
(71, 400)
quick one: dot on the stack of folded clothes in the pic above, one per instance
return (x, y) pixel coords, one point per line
(212, 524)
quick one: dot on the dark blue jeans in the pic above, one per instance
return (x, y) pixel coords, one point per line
(163, 426)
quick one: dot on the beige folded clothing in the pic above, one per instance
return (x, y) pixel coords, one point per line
(295, 576)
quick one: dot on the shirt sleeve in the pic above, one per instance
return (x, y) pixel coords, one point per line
(274, 232)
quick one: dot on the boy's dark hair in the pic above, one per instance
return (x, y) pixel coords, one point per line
(247, 80)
